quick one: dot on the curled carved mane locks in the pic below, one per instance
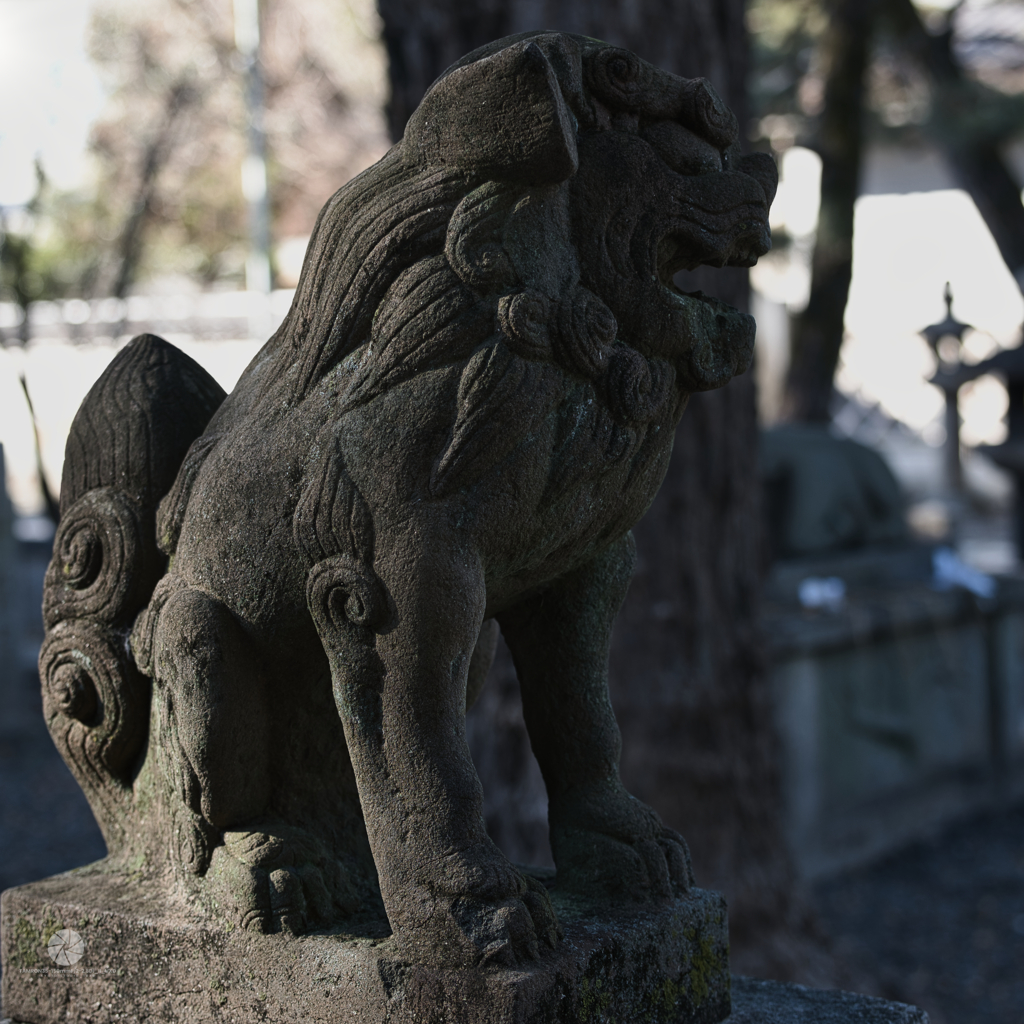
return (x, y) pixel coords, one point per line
(625, 82)
(577, 332)
(638, 388)
(375, 227)
(586, 332)
(473, 244)
(525, 320)
(427, 318)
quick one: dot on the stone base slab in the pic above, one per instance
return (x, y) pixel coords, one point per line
(772, 1002)
(143, 961)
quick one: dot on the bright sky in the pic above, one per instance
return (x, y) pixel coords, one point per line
(49, 94)
(906, 246)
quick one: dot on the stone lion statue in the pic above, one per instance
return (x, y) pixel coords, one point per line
(269, 611)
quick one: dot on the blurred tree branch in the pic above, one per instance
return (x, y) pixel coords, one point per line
(818, 332)
(181, 95)
(168, 147)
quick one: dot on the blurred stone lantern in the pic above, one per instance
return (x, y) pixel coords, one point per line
(1009, 366)
(946, 338)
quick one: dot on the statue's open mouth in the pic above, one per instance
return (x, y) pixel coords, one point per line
(713, 238)
(709, 340)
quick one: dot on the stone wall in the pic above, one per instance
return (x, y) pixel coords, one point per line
(897, 713)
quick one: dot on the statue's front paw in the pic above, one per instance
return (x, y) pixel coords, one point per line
(474, 914)
(504, 932)
(272, 879)
(613, 846)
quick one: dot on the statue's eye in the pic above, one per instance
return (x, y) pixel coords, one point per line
(681, 149)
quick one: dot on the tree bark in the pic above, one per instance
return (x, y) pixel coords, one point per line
(818, 332)
(688, 676)
(423, 37)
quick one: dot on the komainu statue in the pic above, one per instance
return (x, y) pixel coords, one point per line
(268, 612)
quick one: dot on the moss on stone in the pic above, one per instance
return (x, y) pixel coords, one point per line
(593, 1002)
(707, 965)
(668, 997)
(29, 941)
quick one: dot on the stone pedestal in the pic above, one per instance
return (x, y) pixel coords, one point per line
(145, 960)
(772, 1002)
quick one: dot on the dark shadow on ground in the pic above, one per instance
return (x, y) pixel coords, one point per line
(45, 823)
(941, 925)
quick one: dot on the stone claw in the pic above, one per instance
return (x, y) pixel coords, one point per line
(504, 919)
(677, 857)
(613, 846)
(280, 878)
(545, 921)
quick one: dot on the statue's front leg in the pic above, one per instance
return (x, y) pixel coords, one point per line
(400, 647)
(605, 842)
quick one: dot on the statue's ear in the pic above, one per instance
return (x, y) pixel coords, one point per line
(503, 116)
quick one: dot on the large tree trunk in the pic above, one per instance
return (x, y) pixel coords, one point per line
(688, 679)
(818, 332)
(423, 37)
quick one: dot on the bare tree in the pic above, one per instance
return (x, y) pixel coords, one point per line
(818, 331)
(968, 122)
(171, 141)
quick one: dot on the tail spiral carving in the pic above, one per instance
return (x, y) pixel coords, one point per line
(124, 449)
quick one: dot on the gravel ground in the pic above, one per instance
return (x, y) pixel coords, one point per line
(940, 925)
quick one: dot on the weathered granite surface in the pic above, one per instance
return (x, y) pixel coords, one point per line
(146, 959)
(267, 612)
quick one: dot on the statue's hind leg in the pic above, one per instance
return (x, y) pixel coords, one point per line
(214, 717)
(215, 695)
(606, 843)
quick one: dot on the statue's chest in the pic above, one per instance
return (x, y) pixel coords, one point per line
(583, 506)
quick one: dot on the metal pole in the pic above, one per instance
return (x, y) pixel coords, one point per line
(954, 473)
(254, 167)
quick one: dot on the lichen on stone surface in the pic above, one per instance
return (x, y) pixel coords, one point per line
(593, 1001)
